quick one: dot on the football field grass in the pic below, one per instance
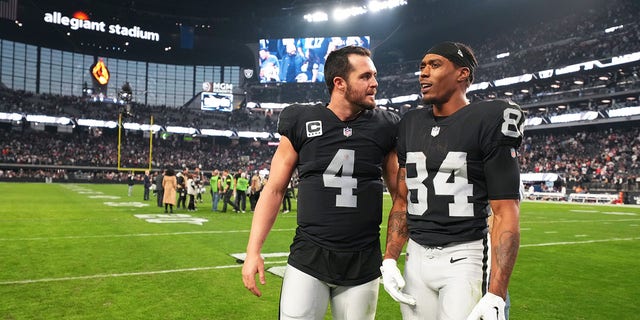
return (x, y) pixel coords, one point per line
(88, 251)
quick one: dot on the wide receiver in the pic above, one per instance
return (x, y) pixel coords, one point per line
(458, 163)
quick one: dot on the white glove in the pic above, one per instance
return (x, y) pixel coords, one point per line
(393, 282)
(490, 307)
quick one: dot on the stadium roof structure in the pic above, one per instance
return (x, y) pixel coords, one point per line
(221, 32)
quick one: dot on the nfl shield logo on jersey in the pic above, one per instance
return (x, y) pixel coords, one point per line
(347, 132)
(435, 131)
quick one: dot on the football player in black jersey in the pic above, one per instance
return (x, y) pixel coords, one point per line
(341, 151)
(458, 164)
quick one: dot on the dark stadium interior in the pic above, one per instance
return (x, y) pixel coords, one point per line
(400, 35)
(601, 153)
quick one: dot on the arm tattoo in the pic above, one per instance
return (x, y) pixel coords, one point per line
(507, 250)
(397, 232)
(398, 223)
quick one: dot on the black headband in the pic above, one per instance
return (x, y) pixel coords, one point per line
(451, 51)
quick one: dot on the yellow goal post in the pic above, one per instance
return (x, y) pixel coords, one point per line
(151, 133)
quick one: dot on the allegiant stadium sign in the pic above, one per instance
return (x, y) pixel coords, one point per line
(83, 23)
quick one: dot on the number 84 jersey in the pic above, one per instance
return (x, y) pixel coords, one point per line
(455, 165)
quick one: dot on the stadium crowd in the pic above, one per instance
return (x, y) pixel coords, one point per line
(559, 42)
(588, 156)
(594, 158)
(586, 159)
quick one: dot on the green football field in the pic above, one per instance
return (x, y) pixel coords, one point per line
(87, 251)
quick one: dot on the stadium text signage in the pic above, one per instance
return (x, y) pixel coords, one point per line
(82, 22)
(217, 87)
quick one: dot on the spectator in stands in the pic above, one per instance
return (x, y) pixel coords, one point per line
(269, 66)
(291, 65)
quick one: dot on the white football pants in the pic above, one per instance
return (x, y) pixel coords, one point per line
(305, 297)
(446, 282)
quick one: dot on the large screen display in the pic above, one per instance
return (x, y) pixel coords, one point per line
(212, 101)
(300, 59)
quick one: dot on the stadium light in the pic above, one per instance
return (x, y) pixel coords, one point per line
(341, 14)
(612, 29)
(318, 16)
(375, 5)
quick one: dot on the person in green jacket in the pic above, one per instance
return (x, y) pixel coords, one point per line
(242, 184)
(215, 189)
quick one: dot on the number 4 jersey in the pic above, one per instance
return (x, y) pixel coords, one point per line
(455, 165)
(340, 167)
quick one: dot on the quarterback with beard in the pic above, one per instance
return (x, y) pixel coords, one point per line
(458, 165)
(342, 152)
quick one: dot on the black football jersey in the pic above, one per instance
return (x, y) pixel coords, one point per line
(339, 168)
(455, 165)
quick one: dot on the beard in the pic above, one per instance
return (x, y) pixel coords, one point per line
(432, 99)
(359, 98)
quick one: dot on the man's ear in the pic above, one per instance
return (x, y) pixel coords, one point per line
(339, 83)
(464, 74)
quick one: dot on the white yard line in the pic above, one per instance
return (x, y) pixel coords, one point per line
(565, 243)
(128, 274)
(579, 221)
(136, 235)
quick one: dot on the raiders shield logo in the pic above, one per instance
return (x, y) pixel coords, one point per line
(435, 131)
(248, 73)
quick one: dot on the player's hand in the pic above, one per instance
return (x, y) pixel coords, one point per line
(253, 264)
(394, 282)
(490, 307)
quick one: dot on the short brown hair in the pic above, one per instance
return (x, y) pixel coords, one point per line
(337, 64)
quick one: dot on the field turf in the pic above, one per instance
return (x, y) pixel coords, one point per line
(88, 251)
